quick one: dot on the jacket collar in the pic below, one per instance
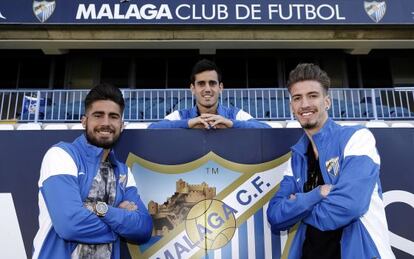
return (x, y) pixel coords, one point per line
(91, 151)
(220, 111)
(319, 138)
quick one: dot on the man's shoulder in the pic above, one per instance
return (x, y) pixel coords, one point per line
(348, 130)
(72, 148)
(354, 133)
(229, 112)
(229, 108)
(66, 144)
(181, 114)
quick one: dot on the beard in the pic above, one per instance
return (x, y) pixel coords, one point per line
(102, 143)
(309, 125)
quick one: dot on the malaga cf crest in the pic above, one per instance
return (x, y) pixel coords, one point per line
(208, 207)
(43, 9)
(375, 9)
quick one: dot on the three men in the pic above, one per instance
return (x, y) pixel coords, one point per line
(206, 86)
(87, 198)
(332, 186)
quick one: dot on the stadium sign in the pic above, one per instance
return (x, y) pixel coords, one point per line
(215, 12)
(207, 191)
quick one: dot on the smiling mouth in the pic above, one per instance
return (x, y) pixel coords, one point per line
(105, 132)
(307, 114)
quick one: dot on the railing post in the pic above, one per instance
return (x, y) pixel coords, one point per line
(374, 104)
(292, 117)
(37, 107)
(123, 96)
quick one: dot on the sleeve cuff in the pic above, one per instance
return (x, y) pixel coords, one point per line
(237, 123)
(313, 197)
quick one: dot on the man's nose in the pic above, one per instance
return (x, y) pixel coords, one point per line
(105, 120)
(305, 102)
(207, 88)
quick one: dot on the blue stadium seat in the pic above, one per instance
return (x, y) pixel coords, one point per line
(184, 103)
(54, 111)
(352, 110)
(170, 103)
(279, 108)
(383, 112)
(75, 110)
(229, 101)
(401, 112)
(135, 108)
(157, 107)
(336, 109)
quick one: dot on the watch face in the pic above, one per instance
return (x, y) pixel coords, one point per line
(101, 208)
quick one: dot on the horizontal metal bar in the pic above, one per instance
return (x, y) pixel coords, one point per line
(144, 105)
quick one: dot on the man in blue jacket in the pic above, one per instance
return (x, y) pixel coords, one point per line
(206, 86)
(87, 198)
(331, 187)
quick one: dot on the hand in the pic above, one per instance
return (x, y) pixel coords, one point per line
(292, 196)
(198, 123)
(325, 190)
(128, 205)
(217, 121)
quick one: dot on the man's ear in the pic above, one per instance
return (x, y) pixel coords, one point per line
(83, 121)
(192, 88)
(221, 86)
(327, 102)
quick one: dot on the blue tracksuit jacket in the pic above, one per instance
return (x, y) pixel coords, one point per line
(179, 119)
(67, 172)
(349, 160)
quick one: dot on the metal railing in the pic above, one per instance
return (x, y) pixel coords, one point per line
(151, 105)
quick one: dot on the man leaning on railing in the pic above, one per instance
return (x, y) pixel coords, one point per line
(206, 86)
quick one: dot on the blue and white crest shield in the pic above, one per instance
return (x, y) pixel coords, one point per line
(204, 207)
(375, 9)
(43, 9)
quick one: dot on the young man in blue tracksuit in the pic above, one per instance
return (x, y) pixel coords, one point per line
(206, 86)
(87, 198)
(331, 188)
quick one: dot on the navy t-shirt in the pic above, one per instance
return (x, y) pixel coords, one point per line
(319, 244)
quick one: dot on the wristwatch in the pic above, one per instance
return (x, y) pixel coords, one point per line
(101, 208)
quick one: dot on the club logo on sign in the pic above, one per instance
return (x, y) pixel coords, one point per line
(210, 224)
(375, 9)
(43, 9)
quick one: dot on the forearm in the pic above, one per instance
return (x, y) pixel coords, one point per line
(284, 212)
(133, 225)
(131, 219)
(71, 220)
(348, 200)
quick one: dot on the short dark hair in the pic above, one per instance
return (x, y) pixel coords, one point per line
(205, 65)
(309, 71)
(105, 91)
